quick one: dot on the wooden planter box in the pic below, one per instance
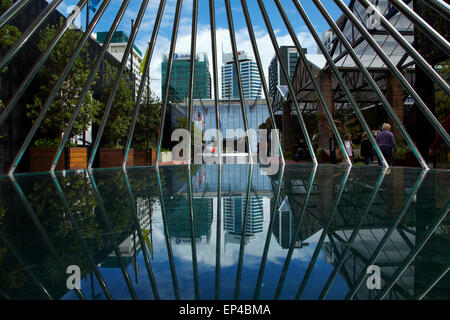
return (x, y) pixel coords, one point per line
(112, 158)
(140, 157)
(41, 159)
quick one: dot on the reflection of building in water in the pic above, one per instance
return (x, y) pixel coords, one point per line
(179, 224)
(285, 224)
(390, 259)
(233, 214)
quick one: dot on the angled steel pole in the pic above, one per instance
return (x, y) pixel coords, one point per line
(439, 7)
(218, 232)
(319, 92)
(192, 231)
(424, 65)
(189, 158)
(93, 73)
(289, 83)
(76, 228)
(212, 22)
(42, 231)
(237, 67)
(252, 37)
(387, 235)
(353, 235)
(323, 235)
(262, 266)
(367, 75)
(27, 269)
(57, 86)
(243, 234)
(406, 85)
(12, 11)
(40, 62)
(166, 236)
(287, 261)
(167, 80)
(419, 246)
(423, 26)
(191, 75)
(26, 35)
(148, 265)
(435, 281)
(119, 76)
(102, 210)
(341, 81)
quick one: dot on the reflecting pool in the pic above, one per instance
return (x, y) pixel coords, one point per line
(230, 232)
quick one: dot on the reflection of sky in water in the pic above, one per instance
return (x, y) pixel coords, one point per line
(420, 199)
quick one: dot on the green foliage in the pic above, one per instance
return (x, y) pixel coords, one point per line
(148, 122)
(401, 153)
(60, 111)
(9, 34)
(119, 119)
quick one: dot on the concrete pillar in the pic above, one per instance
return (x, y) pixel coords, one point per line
(326, 87)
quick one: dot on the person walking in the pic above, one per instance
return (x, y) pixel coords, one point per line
(348, 144)
(366, 149)
(386, 141)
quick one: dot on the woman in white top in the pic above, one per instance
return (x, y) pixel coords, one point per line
(348, 145)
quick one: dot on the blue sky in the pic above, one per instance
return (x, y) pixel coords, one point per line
(203, 40)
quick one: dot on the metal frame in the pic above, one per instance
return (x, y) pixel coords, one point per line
(350, 17)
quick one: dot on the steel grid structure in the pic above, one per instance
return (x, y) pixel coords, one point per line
(351, 18)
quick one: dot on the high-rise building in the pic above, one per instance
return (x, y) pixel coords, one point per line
(233, 215)
(290, 57)
(327, 40)
(117, 49)
(180, 76)
(251, 81)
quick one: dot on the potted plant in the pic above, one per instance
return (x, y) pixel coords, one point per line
(398, 158)
(63, 105)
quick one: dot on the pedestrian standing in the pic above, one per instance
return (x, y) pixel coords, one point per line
(386, 141)
(366, 149)
(348, 144)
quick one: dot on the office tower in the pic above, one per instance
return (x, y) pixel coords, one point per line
(180, 77)
(117, 48)
(251, 81)
(233, 215)
(290, 57)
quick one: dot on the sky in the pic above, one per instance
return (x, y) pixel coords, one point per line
(162, 45)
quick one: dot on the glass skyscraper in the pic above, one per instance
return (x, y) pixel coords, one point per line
(179, 79)
(251, 81)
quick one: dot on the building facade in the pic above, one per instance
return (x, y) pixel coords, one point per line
(251, 81)
(290, 57)
(180, 77)
(117, 49)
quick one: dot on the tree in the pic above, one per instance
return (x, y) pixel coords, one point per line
(119, 119)
(148, 122)
(9, 34)
(62, 107)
